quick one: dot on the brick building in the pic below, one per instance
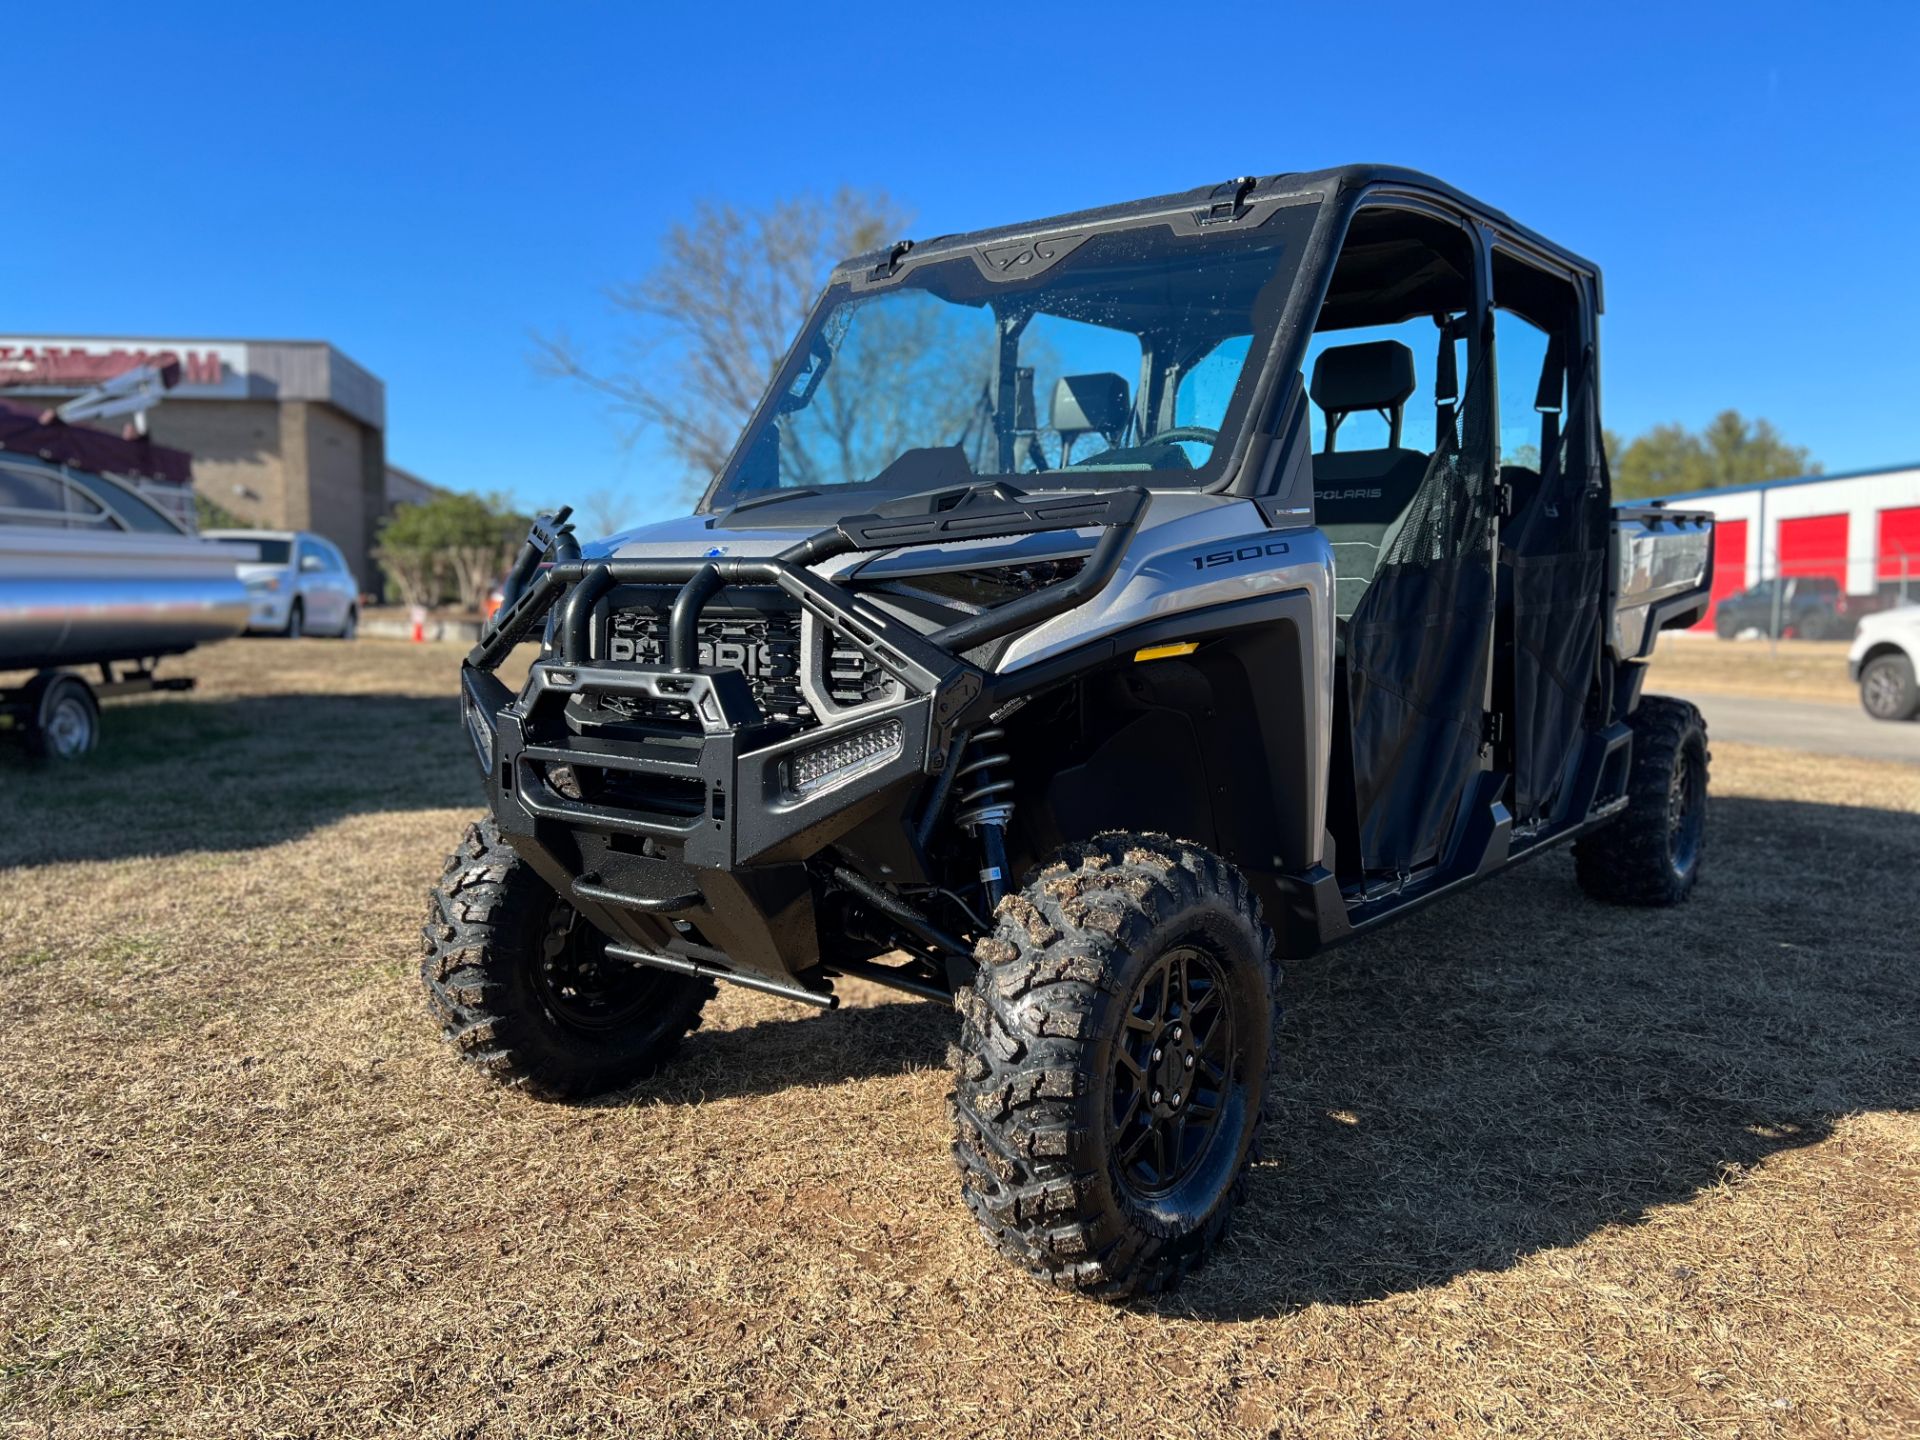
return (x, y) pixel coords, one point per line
(285, 434)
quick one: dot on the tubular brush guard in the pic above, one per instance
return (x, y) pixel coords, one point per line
(661, 800)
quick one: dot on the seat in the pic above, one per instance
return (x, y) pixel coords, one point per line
(1090, 404)
(1360, 496)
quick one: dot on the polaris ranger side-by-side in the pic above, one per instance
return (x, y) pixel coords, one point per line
(1300, 603)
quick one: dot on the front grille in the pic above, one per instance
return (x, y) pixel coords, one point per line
(762, 640)
(763, 643)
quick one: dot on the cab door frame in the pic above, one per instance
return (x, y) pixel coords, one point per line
(1581, 372)
(1478, 821)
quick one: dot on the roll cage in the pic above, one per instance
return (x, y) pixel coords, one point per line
(1261, 426)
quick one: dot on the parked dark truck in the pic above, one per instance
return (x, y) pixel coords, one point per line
(1083, 718)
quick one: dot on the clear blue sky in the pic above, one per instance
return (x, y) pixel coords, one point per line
(426, 186)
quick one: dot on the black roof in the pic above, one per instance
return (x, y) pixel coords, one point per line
(1329, 183)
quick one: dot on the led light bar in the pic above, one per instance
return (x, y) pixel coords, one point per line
(823, 766)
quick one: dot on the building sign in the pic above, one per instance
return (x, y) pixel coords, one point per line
(48, 365)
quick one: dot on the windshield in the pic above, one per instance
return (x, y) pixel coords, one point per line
(1128, 358)
(272, 552)
(134, 512)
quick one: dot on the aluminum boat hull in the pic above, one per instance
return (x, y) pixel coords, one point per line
(74, 597)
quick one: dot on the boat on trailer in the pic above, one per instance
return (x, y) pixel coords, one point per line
(99, 568)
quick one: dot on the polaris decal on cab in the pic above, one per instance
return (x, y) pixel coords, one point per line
(1247, 554)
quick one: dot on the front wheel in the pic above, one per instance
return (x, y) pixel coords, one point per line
(1888, 690)
(523, 987)
(1649, 854)
(296, 621)
(1112, 1064)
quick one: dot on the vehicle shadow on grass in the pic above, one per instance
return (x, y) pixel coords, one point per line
(233, 774)
(1520, 1066)
(1514, 1070)
(824, 1048)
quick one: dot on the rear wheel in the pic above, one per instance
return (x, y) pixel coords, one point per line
(350, 627)
(1112, 1065)
(63, 716)
(1650, 853)
(523, 987)
(1888, 690)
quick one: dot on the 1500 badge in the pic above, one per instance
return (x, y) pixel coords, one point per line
(1241, 554)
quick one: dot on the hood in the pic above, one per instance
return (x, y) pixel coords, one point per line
(727, 535)
(689, 536)
(1900, 617)
(699, 537)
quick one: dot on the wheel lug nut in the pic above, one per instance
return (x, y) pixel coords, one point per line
(1176, 1032)
(1176, 1097)
(1156, 1052)
(1156, 1097)
(1189, 1062)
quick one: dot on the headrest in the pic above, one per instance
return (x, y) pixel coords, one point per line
(1091, 402)
(1377, 375)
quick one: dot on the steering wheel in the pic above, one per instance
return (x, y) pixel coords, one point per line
(1198, 434)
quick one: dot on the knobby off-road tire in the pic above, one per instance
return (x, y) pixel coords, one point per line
(1650, 853)
(521, 984)
(1129, 992)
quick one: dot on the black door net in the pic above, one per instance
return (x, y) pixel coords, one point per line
(1417, 653)
(1553, 555)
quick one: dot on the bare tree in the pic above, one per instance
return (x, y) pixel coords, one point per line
(715, 315)
(605, 510)
(908, 370)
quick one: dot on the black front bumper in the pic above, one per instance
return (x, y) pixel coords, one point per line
(661, 799)
(660, 836)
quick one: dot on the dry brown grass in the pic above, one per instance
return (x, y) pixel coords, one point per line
(1545, 1168)
(1789, 670)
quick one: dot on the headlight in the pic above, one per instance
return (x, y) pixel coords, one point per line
(823, 766)
(265, 585)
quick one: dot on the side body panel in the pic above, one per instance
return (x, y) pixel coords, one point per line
(1660, 556)
(1190, 569)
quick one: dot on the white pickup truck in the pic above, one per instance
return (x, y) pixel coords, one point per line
(1883, 661)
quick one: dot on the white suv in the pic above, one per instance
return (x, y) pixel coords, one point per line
(299, 585)
(1886, 650)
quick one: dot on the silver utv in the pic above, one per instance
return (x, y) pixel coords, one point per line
(1283, 614)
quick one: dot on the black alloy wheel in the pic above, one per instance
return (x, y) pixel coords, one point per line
(1111, 1075)
(523, 987)
(580, 984)
(1171, 1069)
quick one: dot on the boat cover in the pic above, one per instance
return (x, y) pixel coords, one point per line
(41, 433)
